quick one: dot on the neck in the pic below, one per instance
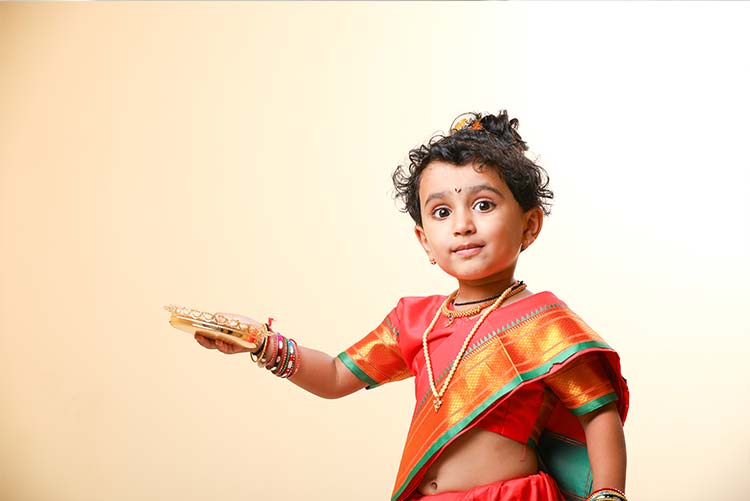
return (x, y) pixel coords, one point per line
(476, 292)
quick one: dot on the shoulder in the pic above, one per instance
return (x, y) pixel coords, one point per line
(557, 322)
(548, 297)
(544, 312)
(415, 311)
(536, 301)
(408, 303)
(411, 306)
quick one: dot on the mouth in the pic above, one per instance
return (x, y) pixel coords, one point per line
(468, 249)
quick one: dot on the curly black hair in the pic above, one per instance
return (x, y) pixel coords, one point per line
(487, 141)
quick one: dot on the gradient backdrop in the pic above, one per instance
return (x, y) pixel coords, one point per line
(237, 157)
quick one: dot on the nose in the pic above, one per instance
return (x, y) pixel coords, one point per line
(463, 223)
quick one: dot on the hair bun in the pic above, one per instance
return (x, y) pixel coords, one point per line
(498, 125)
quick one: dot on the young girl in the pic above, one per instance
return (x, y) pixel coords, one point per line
(516, 397)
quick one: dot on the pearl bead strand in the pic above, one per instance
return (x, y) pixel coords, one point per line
(514, 289)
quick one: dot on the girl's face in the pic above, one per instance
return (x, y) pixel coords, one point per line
(471, 223)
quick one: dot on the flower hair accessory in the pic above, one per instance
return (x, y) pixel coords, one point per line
(471, 121)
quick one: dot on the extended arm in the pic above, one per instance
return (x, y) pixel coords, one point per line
(605, 441)
(324, 375)
(318, 373)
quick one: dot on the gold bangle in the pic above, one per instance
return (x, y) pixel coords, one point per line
(607, 494)
(256, 355)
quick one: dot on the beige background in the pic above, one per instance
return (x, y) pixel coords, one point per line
(237, 157)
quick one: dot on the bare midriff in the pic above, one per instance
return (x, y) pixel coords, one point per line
(478, 457)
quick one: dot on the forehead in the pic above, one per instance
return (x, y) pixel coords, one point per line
(441, 176)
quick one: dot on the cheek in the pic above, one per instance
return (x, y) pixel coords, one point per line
(514, 227)
(509, 235)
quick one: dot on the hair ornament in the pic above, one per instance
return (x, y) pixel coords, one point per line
(471, 121)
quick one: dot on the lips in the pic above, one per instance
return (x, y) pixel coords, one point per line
(467, 249)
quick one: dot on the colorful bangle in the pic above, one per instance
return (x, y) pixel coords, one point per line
(277, 353)
(281, 369)
(295, 362)
(274, 355)
(284, 360)
(298, 360)
(280, 342)
(607, 494)
(273, 350)
(292, 359)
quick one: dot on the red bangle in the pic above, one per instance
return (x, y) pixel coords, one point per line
(280, 354)
(281, 369)
(270, 359)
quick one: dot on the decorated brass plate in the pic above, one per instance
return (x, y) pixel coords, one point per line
(214, 326)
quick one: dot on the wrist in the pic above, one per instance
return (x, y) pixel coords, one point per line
(276, 353)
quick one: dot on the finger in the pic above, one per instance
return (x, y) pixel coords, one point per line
(235, 348)
(220, 346)
(205, 341)
(238, 349)
(224, 347)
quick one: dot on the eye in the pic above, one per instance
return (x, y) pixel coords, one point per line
(484, 205)
(441, 212)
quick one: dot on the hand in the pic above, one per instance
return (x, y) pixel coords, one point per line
(225, 345)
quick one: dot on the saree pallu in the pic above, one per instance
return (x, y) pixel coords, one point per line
(518, 345)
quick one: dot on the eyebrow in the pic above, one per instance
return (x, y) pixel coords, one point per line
(470, 190)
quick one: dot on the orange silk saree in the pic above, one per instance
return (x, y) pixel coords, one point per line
(519, 344)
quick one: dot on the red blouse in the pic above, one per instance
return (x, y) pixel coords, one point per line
(392, 351)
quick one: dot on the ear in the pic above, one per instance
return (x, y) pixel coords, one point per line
(422, 237)
(533, 225)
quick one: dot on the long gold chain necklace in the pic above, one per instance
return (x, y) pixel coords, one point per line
(514, 289)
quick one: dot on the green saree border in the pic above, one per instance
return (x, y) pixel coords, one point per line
(594, 404)
(371, 383)
(522, 378)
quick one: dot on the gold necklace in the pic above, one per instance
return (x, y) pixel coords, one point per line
(453, 314)
(514, 289)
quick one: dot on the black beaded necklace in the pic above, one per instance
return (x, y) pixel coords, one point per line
(466, 303)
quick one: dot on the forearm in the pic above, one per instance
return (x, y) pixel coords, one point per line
(605, 442)
(316, 372)
(324, 375)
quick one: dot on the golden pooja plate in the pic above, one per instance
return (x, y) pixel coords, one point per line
(214, 326)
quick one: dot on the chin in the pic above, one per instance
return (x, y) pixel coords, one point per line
(467, 276)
